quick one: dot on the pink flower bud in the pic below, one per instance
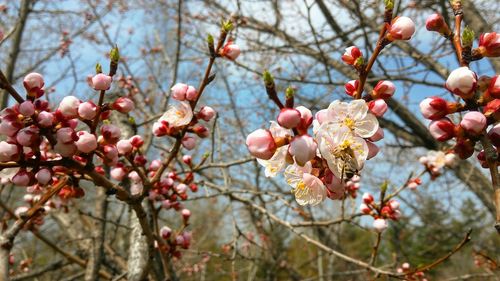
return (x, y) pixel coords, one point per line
(86, 142)
(373, 150)
(289, 118)
(402, 28)
(363, 208)
(45, 119)
(1, 34)
(123, 105)
(442, 129)
(494, 135)
(405, 265)
(33, 83)
(367, 198)
(306, 118)
(181, 188)
(160, 128)
(462, 82)
(494, 88)
(186, 214)
(380, 225)
(28, 136)
(65, 150)
(8, 152)
(191, 93)
(435, 22)
(87, 110)
(473, 122)
(434, 108)
(22, 178)
(492, 109)
(377, 107)
(351, 87)
(118, 173)
(383, 90)
(261, 144)
(66, 135)
(379, 134)
(303, 149)
(187, 159)
(351, 55)
(165, 232)
(230, 51)
(101, 82)
(179, 91)
(489, 44)
(188, 142)
(136, 141)
(110, 151)
(27, 108)
(69, 107)
(155, 165)
(124, 146)
(43, 176)
(394, 204)
(10, 127)
(111, 133)
(201, 131)
(206, 113)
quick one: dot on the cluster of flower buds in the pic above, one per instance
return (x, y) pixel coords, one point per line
(324, 163)
(480, 97)
(410, 275)
(174, 242)
(180, 117)
(388, 210)
(376, 100)
(435, 161)
(483, 92)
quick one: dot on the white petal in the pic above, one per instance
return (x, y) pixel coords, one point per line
(358, 109)
(367, 126)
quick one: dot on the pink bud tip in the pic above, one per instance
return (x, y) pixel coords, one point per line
(261, 144)
(473, 122)
(303, 149)
(380, 225)
(401, 28)
(442, 129)
(289, 118)
(101, 82)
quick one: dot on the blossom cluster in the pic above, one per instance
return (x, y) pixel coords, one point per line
(324, 164)
(435, 161)
(386, 210)
(480, 100)
(411, 275)
(318, 165)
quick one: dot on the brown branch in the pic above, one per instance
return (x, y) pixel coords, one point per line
(457, 248)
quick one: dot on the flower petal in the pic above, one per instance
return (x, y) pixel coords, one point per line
(367, 126)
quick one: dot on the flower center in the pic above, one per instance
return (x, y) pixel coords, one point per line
(180, 113)
(349, 123)
(301, 185)
(345, 144)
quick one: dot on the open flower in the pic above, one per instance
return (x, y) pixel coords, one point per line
(307, 188)
(342, 150)
(177, 115)
(276, 164)
(354, 116)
